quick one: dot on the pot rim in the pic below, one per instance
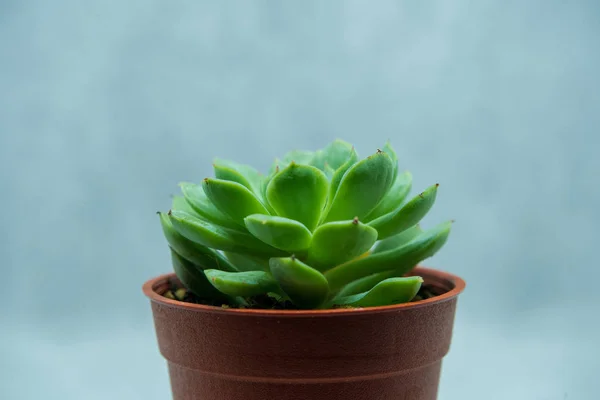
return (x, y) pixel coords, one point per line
(456, 284)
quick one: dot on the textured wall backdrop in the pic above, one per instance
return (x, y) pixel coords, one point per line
(105, 106)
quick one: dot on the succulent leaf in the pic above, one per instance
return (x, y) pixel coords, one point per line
(362, 187)
(217, 237)
(233, 199)
(339, 173)
(334, 154)
(264, 184)
(392, 153)
(337, 153)
(228, 172)
(197, 200)
(336, 242)
(393, 242)
(394, 197)
(245, 262)
(387, 292)
(248, 173)
(299, 192)
(193, 278)
(366, 283)
(400, 259)
(244, 284)
(279, 232)
(411, 213)
(305, 286)
(180, 203)
(200, 255)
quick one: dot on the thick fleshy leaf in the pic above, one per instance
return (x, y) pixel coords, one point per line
(299, 192)
(336, 242)
(244, 284)
(410, 214)
(196, 198)
(180, 203)
(393, 242)
(241, 173)
(194, 279)
(394, 198)
(244, 262)
(362, 187)
(401, 259)
(305, 286)
(366, 283)
(388, 292)
(392, 153)
(337, 153)
(233, 199)
(398, 240)
(200, 255)
(279, 232)
(264, 184)
(217, 237)
(334, 154)
(339, 173)
(227, 172)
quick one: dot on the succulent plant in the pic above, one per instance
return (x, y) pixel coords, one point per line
(321, 229)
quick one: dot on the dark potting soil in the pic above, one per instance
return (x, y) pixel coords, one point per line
(266, 302)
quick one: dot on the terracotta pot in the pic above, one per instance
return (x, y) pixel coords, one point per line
(380, 353)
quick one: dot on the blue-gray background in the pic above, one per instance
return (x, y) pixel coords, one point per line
(105, 106)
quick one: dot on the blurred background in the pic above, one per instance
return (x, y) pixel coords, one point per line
(106, 105)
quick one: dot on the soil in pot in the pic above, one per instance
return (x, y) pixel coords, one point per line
(176, 291)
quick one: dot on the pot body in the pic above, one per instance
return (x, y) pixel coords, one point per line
(380, 353)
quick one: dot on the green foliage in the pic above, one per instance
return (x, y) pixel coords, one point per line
(321, 229)
(303, 285)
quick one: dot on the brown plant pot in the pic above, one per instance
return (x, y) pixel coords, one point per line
(380, 353)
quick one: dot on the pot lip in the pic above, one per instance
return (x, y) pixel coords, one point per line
(456, 283)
